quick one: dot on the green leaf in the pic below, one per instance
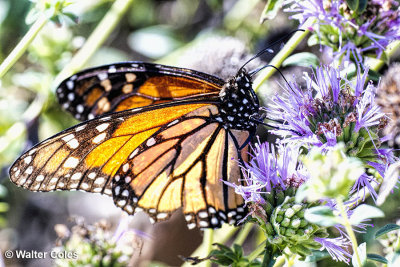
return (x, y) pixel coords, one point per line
(304, 59)
(321, 215)
(378, 258)
(270, 10)
(362, 5)
(364, 212)
(353, 4)
(386, 229)
(317, 255)
(362, 252)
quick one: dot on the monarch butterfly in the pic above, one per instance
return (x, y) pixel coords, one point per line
(157, 138)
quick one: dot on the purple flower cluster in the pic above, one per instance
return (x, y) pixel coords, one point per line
(350, 33)
(331, 110)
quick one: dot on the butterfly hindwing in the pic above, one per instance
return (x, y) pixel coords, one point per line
(127, 85)
(184, 165)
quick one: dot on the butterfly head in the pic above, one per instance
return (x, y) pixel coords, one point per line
(239, 102)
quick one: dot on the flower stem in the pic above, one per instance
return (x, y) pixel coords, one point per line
(289, 47)
(244, 232)
(349, 229)
(208, 240)
(96, 39)
(21, 47)
(259, 249)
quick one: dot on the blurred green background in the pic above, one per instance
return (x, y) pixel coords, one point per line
(208, 35)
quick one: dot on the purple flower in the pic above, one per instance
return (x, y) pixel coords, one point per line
(268, 170)
(336, 247)
(331, 110)
(350, 33)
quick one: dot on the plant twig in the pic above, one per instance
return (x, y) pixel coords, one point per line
(96, 39)
(289, 47)
(21, 47)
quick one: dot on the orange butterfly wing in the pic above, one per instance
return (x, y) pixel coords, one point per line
(127, 85)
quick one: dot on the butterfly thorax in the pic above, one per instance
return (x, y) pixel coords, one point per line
(239, 103)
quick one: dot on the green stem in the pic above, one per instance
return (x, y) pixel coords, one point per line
(349, 229)
(244, 232)
(21, 47)
(259, 249)
(207, 241)
(289, 47)
(96, 39)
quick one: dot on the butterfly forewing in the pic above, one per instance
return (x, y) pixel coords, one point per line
(123, 86)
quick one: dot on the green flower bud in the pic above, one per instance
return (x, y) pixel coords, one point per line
(331, 175)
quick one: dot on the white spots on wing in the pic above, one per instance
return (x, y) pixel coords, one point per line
(135, 199)
(152, 220)
(36, 187)
(230, 118)
(117, 177)
(231, 213)
(39, 178)
(68, 137)
(173, 123)
(152, 210)
(61, 184)
(125, 193)
(29, 170)
(107, 118)
(129, 209)
(102, 127)
(84, 186)
(71, 96)
(222, 215)
(80, 108)
(32, 151)
(107, 191)
(214, 221)
(203, 214)
(99, 181)
(97, 189)
(28, 159)
(73, 144)
(65, 105)
(90, 116)
(22, 181)
(125, 168)
(151, 141)
(76, 176)
(92, 175)
(191, 226)
(99, 138)
(71, 162)
(245, 101)
(80, 128)
(212, 210)
(162, 216)
(138, 209)
(74, 186)
(121, 203)
(102, 76)
(70, 84)
(53, 180)
(130, 77)
(16, 174)
(128, 179)
(112, 69)
(135, 65)
(188, 217)
(117, 190)
(203, 224)
(73, 77)
(240, 209)
(134, 153)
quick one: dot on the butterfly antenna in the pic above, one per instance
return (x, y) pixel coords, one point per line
(268, 48)
(254, 72)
